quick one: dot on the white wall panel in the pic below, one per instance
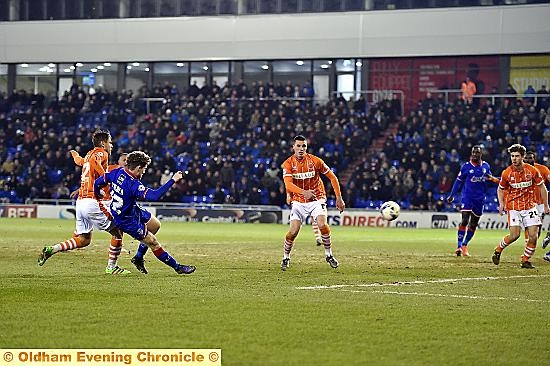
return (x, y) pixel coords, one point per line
(426, 32)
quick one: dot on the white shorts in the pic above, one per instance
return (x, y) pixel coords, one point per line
(524, 218)
(88, 215)
(540, 209)
(300, 211)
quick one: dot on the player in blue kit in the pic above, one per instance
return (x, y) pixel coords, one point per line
(129, 217)
(472, 181)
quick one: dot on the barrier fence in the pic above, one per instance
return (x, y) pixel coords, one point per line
(237, 214)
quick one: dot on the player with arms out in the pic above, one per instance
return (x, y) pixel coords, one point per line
(126, 189)
(89, 211)
(471, 180)
(516, 195)
(116, 243)
(301, 174)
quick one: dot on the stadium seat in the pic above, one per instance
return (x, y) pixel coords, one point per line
(187, 199)
(55, 175)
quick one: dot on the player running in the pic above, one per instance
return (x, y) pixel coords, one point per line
(301, 174)
(472, 181)
(116, 243)
(518, 183)
(89, 211)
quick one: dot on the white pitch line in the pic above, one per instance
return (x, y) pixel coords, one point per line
(401, 283)
(453, 296)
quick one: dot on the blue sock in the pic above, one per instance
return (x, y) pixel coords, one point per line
(141, 250)
(460, 235)
(165, 257)
(469, 234)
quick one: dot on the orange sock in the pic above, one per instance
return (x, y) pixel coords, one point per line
(503, 244)
(70, 244)
(287, 246)
(528, 252)
(114, 251)
(325, 236)
(316, 231)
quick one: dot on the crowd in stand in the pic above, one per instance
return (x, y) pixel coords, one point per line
(418, 165)
(230, 141)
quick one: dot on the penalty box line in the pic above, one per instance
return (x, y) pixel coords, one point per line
(427, 294)
(403, 283)
(499, 298)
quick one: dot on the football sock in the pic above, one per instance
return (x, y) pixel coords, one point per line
(287, 247)
(114, 251)
(316, 231)
(141, 250)
(325, 236)
(526, 234)
(165, 257)
(70, 244)
(469, 235)
(528, 253)
(503, 244)
(460, 234)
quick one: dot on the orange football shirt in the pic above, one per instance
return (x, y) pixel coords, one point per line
(305, 174)
(94, 166)
(545, 172)
(520, 187)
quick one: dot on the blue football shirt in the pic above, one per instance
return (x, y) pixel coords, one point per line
(474, 178)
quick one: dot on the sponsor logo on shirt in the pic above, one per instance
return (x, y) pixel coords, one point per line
(304, 175)
(521, 184)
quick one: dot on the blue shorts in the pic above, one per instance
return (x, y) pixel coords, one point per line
(473, 204)
(137, 227)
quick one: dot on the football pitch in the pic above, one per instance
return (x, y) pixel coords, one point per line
(400, 297)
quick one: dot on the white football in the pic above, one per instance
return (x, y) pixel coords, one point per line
(390, 210)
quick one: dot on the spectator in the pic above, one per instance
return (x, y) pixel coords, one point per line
(529, 91)
(468, 89)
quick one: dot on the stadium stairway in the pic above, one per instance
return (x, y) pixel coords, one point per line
(376, 145)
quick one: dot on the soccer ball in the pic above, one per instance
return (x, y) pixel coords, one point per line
(390, 210)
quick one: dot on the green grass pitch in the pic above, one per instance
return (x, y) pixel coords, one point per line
(240, 301)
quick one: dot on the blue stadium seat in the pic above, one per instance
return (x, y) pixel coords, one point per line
(55, 175)
(187, 199)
